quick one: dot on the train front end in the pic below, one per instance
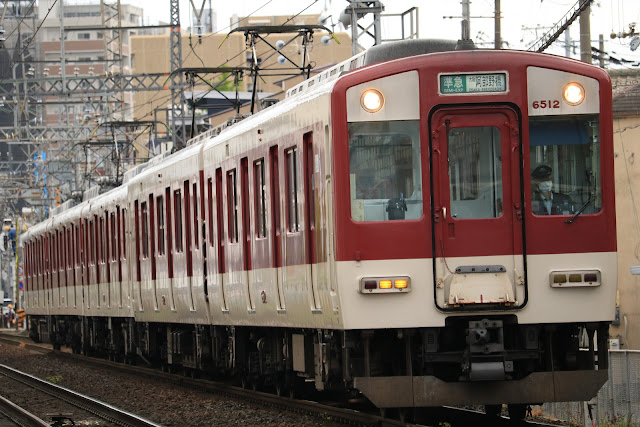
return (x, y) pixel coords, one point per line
(475, 228)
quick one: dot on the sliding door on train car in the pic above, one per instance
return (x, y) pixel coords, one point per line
(477, 208)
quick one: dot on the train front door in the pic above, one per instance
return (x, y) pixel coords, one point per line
(477, 208)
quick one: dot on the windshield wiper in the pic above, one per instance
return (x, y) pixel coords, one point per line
(579, 211)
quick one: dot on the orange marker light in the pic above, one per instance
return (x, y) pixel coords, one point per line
(385, 284)
(401, 283)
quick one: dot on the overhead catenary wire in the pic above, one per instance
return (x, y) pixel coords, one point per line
(240, 20)
(30, 8)
(33, 37)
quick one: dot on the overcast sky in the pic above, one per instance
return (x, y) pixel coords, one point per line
(520, 18)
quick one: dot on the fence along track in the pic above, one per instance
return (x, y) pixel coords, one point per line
(87, 403)
(619, 398)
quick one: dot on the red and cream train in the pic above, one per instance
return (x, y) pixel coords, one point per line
(374, 232)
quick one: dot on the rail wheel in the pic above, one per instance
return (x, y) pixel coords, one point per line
(493, 410)
(517, 412)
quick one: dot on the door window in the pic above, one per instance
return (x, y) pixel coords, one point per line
(475, 172)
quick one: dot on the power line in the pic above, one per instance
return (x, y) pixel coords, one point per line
(33, 2)
(38, 29)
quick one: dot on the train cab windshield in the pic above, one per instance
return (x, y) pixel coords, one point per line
(565, 165)
(385, 172)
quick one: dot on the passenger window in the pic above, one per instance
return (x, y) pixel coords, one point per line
(145, 230)
(160, 208)
(385, 170)
(177, 214)
(293, 219)
(259, 196)
(93, 242)
(195, 233)
(232, 205)
(210, 209)
(113, 233)
(76, 256)
(123, 237)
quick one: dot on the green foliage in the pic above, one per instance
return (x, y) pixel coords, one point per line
(55, 379)
(226, 85)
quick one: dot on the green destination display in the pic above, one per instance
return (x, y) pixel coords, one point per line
(473, 83)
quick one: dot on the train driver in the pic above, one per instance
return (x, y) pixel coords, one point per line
(545, 201)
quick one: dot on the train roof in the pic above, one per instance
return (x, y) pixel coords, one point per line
(161, 162)
(110, 197)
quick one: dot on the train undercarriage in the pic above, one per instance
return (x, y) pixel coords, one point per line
(471, 361)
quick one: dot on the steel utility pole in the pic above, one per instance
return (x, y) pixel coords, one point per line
(177, 81)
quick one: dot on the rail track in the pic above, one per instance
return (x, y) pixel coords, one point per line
(16, 415)
(357, 415)
(84, 403)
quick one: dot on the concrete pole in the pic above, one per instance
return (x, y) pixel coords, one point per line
(498, 35)
(466, 13)
(601, 47)
(585, 33)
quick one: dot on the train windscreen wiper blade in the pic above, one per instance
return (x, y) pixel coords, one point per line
(579, 211)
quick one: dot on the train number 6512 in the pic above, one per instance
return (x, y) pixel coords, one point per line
(546, 104)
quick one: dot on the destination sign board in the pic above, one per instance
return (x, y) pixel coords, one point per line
(453, 84)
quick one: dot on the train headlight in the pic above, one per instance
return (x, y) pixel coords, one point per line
(379, 285)
(372, 100)
(573, 93)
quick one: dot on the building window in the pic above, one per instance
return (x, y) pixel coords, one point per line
(84, 36)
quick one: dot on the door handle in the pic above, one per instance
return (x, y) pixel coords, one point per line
(444, 213)
(518, 212)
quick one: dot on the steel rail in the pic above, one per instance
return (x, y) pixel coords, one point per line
(19, 415)
(101, 409)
